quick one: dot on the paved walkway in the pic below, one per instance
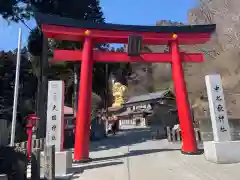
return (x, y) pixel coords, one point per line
(133, 155)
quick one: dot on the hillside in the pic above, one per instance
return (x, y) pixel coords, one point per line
(221, 56)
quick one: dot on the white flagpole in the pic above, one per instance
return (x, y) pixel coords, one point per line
(15, 100)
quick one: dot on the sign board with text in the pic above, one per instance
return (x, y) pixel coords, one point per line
(217, 107)
(55, 115)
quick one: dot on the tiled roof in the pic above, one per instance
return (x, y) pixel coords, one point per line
(147, 97)
(68, 22)
(131, 112)
(68, 110)
(114, 109)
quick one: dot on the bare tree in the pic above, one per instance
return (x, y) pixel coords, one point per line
(221, 53)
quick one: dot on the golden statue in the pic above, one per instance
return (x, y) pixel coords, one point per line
(118, 91)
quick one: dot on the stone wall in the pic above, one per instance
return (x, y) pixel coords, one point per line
(4, 133)
(202, 115)
(206, 129)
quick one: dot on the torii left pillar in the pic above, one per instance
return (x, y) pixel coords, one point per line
(81, 146)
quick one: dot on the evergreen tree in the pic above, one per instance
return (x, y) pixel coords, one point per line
(27, 89)
(21, 10)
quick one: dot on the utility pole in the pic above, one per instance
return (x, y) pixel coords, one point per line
(106, 90)
(16, 88)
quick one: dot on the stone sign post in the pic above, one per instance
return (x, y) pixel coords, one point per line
(55, 128)
(55, 115)
(222, 149)
(217, 107)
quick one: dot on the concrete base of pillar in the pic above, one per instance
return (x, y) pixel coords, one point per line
(63, 162)
(222, 152)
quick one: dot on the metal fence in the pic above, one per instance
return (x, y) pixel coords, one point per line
(47, 163)
(36, 144)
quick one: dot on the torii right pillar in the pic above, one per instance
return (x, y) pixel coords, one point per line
(189, 145)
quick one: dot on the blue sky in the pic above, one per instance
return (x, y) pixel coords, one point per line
(142, 12)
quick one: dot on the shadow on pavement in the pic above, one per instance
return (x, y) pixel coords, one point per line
(93, 166)
(125, 137)
(134, 153)
(112, 159)
(75, 170)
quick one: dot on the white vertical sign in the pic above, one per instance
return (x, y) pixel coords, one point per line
(218, 111)
(55, 115)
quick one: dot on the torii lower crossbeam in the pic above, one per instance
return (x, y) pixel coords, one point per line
(98, 56)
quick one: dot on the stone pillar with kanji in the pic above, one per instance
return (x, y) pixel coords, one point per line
(221, 149)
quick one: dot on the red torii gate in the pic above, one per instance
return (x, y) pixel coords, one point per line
(92, 33)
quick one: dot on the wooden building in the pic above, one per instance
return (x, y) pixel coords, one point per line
(151, 109)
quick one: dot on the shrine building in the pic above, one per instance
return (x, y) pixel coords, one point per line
(158, 108)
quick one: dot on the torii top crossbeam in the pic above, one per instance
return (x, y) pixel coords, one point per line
(63, 28)
(69, 29)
